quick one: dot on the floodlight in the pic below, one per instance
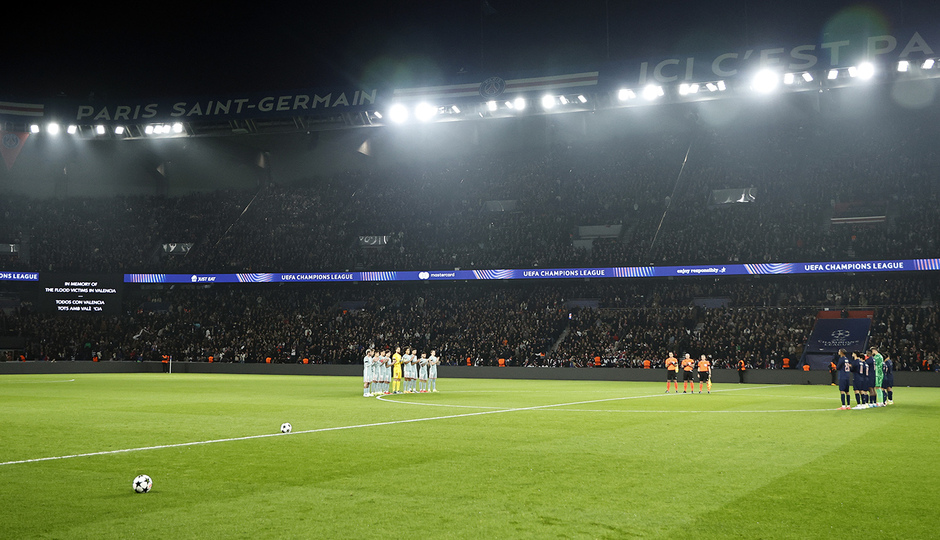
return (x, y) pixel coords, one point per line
(99, 129)
(686, 89)
(72, 129)
(765, 81)
(52, 128)
(721, 86)
(491, 106)
(563, 100)
(712, 87)
(455, 109)
(807, 76)
(928, 63)
(652, 91)
(582, 99)
(833, 73)
(866, 70)
(34, 128)
(178, 127)
(548, 102)
(624, 94)
(148, 130)
(398, 113)
(119, 130)
(903, 66)
(519, 103)
(425, 111)
(788, 78)
(378, 115)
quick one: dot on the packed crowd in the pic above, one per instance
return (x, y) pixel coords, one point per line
(656, 187)
(616, 323)
(433, 212)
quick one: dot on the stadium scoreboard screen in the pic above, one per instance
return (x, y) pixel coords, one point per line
(66, 293)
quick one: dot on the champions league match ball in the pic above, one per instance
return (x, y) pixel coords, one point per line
(142, 484)
(285, 427)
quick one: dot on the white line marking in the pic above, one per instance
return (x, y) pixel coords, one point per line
(35, 382)
(340, 428)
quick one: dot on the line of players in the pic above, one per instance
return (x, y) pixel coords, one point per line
(398, 373)
(688, 367)
(872, 378)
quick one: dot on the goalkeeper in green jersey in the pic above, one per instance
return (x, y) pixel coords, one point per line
(879, 376)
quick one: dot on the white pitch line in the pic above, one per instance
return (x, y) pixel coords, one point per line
(35, 382)
(697, 412)
(337, 428)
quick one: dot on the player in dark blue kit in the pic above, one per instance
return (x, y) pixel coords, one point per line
(860, 381)
(844, 368)
(888, 382)
(872, 396)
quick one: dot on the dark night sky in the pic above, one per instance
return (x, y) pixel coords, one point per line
(186, 50)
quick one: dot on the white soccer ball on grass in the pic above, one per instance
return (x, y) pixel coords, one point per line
(142, 484)
(285, 427)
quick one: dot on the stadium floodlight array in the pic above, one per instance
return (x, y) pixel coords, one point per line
(864, 71)
(907, 66)
(549, 101)
(426, 110)
(399, 113)
(652, 92)
(625, 94)
(765, 81)
(518, 104)
(795, 79)
(164, 129)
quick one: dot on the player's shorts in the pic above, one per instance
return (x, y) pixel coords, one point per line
(888, 381)
(860, 384)
(671, 375)
(396, 372)
(432, 372)
(687, 376)
(844, 385)
(703, 376)
(423, 373)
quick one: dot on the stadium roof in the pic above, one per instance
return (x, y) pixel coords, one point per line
(307, 68)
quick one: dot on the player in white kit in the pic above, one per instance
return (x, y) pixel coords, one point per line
(433, 362)
(410, 371)
(385, 362)
(367, 366)
(423, 373)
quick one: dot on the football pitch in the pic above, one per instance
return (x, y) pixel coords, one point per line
(480, 459)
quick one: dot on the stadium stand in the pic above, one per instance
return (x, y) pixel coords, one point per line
(842, 190)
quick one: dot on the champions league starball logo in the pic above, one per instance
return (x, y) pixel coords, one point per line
(423, 275)
(841, 334)
(492, 87)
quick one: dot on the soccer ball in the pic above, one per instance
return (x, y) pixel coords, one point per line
(142, 484)
(285, 427)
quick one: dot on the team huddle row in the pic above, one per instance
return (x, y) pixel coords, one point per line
(398, 373)
(872, 378)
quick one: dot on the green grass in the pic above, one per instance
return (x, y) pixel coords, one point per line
(487, 459)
